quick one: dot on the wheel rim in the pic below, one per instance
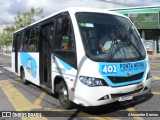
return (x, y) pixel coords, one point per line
(63, 95)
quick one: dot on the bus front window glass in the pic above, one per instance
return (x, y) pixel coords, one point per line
(109, 37)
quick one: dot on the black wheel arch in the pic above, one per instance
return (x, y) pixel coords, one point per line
(57, 80)
(21, 68)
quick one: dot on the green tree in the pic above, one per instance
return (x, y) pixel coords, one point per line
(21, 20)
(28, 17)
(1, 39)
(7, 35)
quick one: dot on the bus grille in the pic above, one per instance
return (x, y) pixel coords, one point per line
(116, 79)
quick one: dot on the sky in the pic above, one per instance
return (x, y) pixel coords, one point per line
(9, 8)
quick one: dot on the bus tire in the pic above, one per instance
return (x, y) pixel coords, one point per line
(63, 95)
(23, 77)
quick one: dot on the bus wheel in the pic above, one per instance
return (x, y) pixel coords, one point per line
(23, 77)
(63, 96)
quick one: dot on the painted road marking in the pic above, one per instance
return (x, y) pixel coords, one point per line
(156, 93)
(39, 99)
(157, 64)
(156, 78)
(18, 100)
(80, 114)
(104, 118)
(42, 95)
(1, 71)
(131, 109)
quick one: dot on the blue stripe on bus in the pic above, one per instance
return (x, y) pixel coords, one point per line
(122, 70)
(67, 66)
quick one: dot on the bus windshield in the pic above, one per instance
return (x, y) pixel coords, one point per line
(109, 38)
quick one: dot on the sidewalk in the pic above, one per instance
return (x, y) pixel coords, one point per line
(7, 53)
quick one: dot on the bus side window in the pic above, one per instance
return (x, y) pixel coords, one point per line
(64, 44)
(33, 40)
(19, 42)
(58, 34)
(65, 37)
(25, 40)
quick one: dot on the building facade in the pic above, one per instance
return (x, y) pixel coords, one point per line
(147, 21)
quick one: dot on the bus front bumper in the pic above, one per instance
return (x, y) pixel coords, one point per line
(95, 96)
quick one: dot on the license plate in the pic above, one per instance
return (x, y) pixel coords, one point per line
(125, 98)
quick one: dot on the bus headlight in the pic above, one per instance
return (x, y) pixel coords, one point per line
(92, 82)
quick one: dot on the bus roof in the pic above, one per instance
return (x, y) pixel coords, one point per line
(74, 10)
(138, 7)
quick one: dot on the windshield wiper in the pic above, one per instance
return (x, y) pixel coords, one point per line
(115, 46)
(141, 56)
(114, 42)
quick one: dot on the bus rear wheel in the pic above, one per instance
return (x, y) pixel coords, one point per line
(23, 77)
(63, 96)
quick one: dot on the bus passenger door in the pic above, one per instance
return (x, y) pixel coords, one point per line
(45, 55)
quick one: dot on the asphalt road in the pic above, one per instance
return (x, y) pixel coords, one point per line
(31, 100)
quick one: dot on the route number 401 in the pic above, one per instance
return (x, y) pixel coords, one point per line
(109, 69)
